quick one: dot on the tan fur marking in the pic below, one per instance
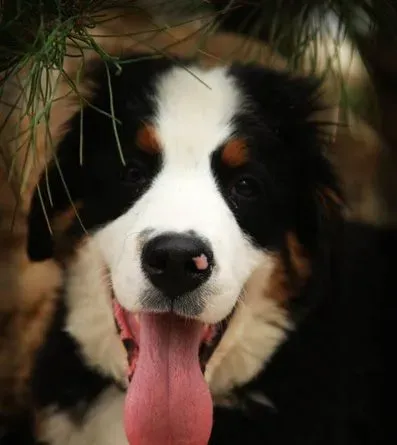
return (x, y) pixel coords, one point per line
(299, 258)
(66, 245)
(280, 284)
(63, 220)
(147, 139)
(235, 153)
(67, 248)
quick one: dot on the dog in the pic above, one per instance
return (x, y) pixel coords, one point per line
(192, 211)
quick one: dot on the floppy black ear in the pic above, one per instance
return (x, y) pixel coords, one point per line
(58, 189)
(56, 192)
(39, 235)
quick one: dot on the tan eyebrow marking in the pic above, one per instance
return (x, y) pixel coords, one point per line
(235, 152)
(147, 139)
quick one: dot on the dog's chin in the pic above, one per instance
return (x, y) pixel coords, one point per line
(188, 305)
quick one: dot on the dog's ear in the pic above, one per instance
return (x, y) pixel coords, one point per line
(55, 199)
(59, 188)
(59, 184)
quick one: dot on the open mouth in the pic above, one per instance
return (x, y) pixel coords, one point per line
(128, 326)
(168, 401)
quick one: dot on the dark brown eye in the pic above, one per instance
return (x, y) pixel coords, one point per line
(133, 175)
(246, 187)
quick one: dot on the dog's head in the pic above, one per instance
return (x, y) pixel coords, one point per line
(196, 193)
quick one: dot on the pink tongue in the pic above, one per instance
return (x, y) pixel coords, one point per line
(168, 401)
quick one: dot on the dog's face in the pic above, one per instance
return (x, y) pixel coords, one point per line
(203, 195)
(219, 166)
(186, 238)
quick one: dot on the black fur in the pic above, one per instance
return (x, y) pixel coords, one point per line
(332, 383)
(97, 181)
(18, 429)
(285, 157)
(60, 377)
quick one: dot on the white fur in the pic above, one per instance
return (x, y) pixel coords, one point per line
(103, 425)
(193, 118)
(90, 315)
(256, 329)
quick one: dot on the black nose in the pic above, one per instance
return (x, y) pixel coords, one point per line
(177, 263)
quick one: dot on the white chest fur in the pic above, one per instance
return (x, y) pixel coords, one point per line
(103, 425)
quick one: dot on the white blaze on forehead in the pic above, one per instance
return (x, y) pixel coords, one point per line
(194, 113)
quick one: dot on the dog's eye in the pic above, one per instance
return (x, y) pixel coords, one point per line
(133, 174)
(246, 187)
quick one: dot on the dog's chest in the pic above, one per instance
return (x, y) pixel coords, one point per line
(102, 424)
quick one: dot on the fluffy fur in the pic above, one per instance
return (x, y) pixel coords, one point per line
(266, 220)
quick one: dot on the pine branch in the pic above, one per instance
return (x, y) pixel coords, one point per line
(35, 35)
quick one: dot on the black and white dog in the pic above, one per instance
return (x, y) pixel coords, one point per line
(196, 219)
